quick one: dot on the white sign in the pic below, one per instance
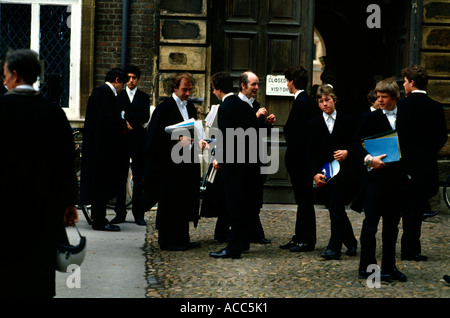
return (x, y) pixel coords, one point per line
(276, 85)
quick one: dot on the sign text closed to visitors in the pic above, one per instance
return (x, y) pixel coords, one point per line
(276, 86)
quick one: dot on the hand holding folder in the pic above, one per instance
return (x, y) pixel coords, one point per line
(383, 144)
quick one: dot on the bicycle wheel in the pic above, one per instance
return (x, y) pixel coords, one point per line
(86, 209)
(130, 185)
(446, 191)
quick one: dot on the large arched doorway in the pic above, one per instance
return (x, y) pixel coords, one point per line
(357, 55)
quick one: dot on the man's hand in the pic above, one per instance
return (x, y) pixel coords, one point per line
(377, 162)
(271, 119)
(70, 216)
(319, 180)
(340, 155)
(216, 165)
(261, 112)
(185, 140)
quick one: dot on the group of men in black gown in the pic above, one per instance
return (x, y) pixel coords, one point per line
(391, 191)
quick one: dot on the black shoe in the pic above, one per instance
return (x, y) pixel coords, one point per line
(351, 251)
(107, 227)
(302, 247)
(446, 280)
(363, 274)
(395, 274)
(262, 241)
(430, 214)
(225, 253)
(193, 244)
(173, 248)
(118, 219)
(140, 221)
(330, 254)
(289, 245)
(416, 257)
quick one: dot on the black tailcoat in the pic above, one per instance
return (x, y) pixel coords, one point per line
(340, 189)
(137, 113)
(422, 133)
(383, 195)
(298, 165)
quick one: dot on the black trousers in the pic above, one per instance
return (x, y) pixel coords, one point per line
(341, 227)
(412, 219)
(305, 224)
(387, 204)
(135, 151)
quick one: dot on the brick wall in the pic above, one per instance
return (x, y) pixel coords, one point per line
(108, 39)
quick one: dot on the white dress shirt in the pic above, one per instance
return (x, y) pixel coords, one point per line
(181, 106)
(245, 99)
(112, 88)
(298, 92)
(391, 116)
(131, 93)
(329, 120)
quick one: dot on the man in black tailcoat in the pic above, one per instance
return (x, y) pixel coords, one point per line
(422, 132)
(136, 107)
(240, 177)
(331, 138)
(177, 183)
(383, 189)
(103, 151)
(297, 160)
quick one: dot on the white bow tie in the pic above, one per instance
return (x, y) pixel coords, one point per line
(390, 112)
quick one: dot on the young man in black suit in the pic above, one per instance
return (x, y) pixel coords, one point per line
(384, 187)
(330, 138)
(136, 111)
(177, 183)
(297, 160)
(103, 150)
(240, 178)
(422, 132)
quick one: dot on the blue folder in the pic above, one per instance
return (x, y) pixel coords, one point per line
(384, 144)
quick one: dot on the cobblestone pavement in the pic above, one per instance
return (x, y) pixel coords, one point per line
(266, 271)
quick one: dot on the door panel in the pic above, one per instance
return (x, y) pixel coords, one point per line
(266, 37)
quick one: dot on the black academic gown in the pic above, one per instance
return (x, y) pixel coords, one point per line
(38, 183)
(103, 152)
(177, 184)
(241, 180)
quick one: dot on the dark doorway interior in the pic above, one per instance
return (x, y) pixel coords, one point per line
(358, 55)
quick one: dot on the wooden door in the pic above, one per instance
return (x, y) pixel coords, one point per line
(266, 37)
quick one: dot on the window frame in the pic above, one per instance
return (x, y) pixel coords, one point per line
(73, 109)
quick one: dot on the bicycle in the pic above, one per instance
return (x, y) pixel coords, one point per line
(86, 209)
(446, 191)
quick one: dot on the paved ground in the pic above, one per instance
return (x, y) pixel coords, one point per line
(129, 264)
(266, 271)
(114, 266)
